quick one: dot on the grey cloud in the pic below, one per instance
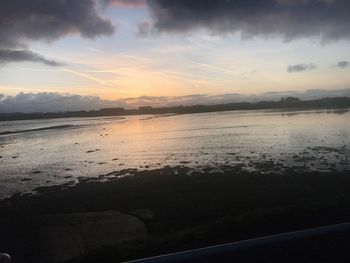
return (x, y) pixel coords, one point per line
(8, 56)
(55, 102)
(125, 3)
(144, 29)
(300, 67)
(290, 19)
(343, 64)
(22, 21)
(47, 102)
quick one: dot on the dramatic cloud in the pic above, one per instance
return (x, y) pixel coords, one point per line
(300, 67)
(55, 102)
(22, 21)
(8, 56)
(291, 19)
(343, 64)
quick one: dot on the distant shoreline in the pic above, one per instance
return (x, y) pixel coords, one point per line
(290, 103)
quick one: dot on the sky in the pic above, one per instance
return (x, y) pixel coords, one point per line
(88, 54)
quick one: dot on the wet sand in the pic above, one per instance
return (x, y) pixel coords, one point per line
(196, 207)
(254, 141)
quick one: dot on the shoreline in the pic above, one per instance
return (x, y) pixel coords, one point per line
(204, 208)
(290, 103)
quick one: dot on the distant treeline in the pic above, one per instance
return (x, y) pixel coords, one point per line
(284, 103)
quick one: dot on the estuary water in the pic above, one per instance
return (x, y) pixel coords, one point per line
(48, 152)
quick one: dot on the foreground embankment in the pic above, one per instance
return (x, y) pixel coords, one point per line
(170, 209)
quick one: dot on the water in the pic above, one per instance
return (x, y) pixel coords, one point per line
(47, 152)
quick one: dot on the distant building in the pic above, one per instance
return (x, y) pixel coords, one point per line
(290, 99)
(112, 111)
(145, 109)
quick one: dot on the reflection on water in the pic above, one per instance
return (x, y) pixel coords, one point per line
(61, 150)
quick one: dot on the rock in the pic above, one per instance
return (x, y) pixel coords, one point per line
(5, 258)
(25, 180)
(143, 214)
(57, 238)
(92, 151)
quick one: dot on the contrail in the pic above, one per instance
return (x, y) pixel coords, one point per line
(221, 69)
(86, 76)
(74, 72)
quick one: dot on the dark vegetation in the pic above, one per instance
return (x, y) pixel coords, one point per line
(284, 103)
(196, 210)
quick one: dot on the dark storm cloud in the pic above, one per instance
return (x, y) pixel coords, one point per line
(291, 19)
(55, 102)
(8, 56)
(300, 67)
(22, 21)
(343, 64)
